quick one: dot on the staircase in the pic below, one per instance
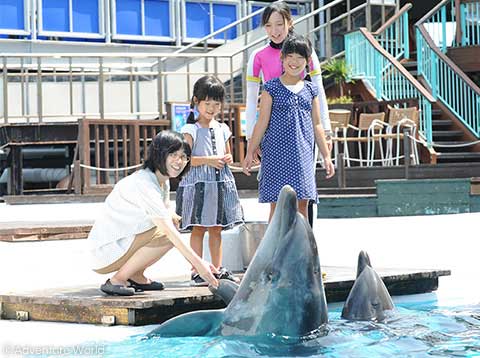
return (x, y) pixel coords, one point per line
(455, 125)
(448, 135)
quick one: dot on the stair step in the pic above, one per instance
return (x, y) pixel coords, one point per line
(446, 134)
(410, 64)
(436, 112)
(414, 73)
(458, 157)
(453, 146)
(441, 122)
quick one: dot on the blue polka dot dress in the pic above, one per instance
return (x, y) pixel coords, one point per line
(288, 143)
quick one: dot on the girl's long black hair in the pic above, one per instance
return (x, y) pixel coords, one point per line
(206, 87)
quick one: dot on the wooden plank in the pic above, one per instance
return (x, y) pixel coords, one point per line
(98, 164)
(44, 237)
(125, 149)
(65, 313)
(88, 305)
(40, 231)
(106, 153)
(20, 228)
(53, 199)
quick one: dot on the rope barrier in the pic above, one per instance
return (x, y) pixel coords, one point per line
(433, 144)
(232, 168)
(110, 169)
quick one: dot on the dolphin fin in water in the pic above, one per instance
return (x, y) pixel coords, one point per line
(197, 323)
(368, 299)
(363, 261)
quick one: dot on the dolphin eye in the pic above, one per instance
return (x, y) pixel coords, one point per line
(272, 275)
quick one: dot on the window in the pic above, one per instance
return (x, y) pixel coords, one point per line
(149, 20)
(203, 18)
(71, 18)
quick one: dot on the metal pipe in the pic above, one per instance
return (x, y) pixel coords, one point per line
(5, 90)
(101, 95)
(342, 182)
(37, 175)
(39, 90)
(406, 151)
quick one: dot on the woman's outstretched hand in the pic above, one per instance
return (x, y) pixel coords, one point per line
(206, 271)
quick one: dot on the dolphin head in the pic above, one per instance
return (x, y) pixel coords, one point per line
(368, 299)
(282, 291)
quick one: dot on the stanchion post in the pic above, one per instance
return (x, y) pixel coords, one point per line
(406, 151)
(77, 177)
(341, 171)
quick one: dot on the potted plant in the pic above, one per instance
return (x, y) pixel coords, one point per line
(338, 70)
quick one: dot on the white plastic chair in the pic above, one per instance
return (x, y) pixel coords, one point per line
(399, 118)
(340, 121)
(365, 121)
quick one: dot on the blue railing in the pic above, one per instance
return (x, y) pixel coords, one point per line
(393, 35)
(447, 82)
(470, 23)
(389, 79)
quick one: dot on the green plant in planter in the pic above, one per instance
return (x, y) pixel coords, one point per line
(338, 69)
(340, 100)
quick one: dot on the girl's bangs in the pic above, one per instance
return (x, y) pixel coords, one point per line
(215, 92)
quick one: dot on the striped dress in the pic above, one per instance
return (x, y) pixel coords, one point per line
(207, 196)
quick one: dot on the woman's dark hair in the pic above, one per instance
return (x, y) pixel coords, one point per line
(278, 6)
(206, 87)
(298, 44)
(163, 144)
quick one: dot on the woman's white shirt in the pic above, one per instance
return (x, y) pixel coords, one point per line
(128, 211)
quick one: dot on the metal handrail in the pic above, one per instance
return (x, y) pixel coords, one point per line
(447, 81)
(393, 35)
(89, 73)
(391, 81)
(219, 31)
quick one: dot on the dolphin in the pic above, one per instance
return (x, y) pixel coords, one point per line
(281, 293)
(368, 299)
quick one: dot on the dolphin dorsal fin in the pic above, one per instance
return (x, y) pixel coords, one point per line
(363, 261)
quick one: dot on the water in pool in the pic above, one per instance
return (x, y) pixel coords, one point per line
(421, 327)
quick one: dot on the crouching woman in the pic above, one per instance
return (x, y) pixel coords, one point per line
(136, 227)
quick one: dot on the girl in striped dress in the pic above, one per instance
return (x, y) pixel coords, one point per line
(207, 198)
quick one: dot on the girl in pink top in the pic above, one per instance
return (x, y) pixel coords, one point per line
(265, 64)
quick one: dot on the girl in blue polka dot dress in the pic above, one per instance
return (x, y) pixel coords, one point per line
(287, 126)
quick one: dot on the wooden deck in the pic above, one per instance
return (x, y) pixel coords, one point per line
(40, 231)
(89, 305)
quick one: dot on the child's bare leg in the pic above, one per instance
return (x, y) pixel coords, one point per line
(303, 208)
(196, 240)
(215, 245)
(272, 210)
